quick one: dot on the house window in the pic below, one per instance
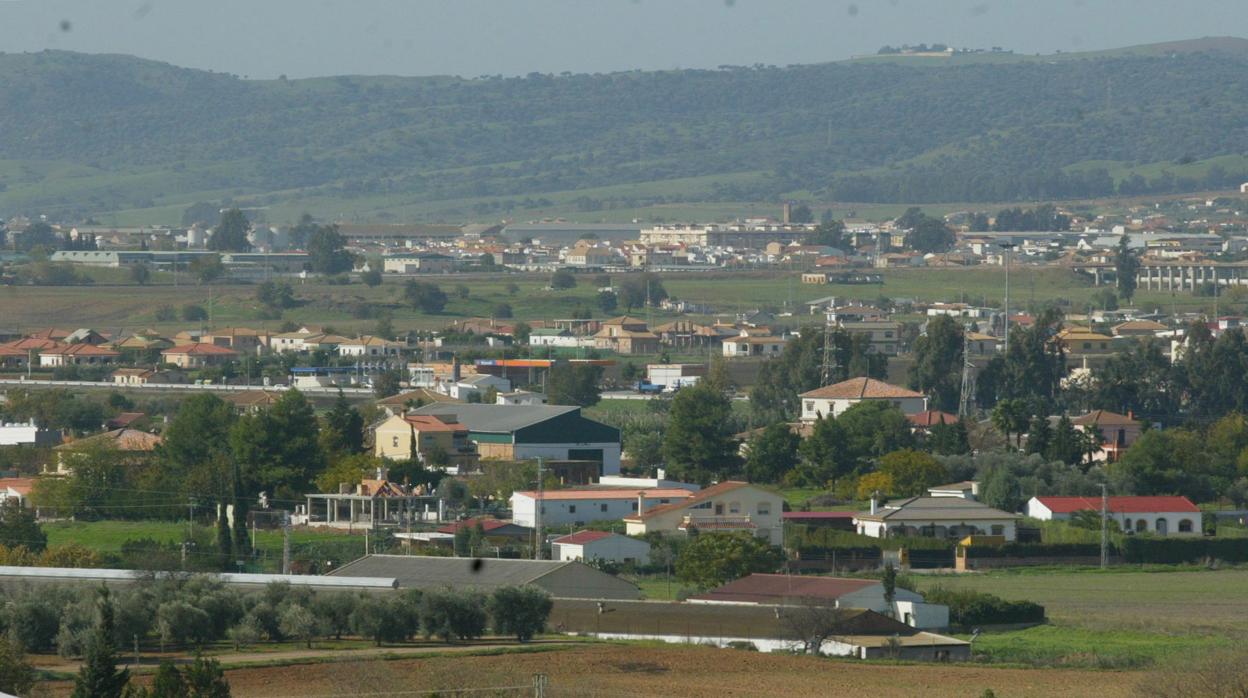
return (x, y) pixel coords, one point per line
(1141, 525)
(395, 442)
(701, 505)
(719, 509)
(998, 530)
(1185, 525)
(663, 501)
(734, 508)
(810, 405)
(571, 508)
(764, 508)
(1087, 345)
(602, 507)
(634, 506)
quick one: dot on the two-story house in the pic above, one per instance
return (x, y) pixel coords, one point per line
(832, 400)
(727, 506)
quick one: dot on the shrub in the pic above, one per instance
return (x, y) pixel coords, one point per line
(16, 676)
(453, 615)
(32, 624)
(1143, 549)
(520, 611)
(968, 608)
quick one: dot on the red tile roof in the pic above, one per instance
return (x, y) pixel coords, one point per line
(583, 537)
(1104, 417)
(35, 344)
(200, 348)
(1122, 505)
(931, 418)
(81, 350)
(430, 423)
(770, 588)
(861, 388)
(703, 495)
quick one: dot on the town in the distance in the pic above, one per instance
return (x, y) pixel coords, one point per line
(772, 434)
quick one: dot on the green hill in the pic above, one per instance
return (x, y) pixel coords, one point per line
(94, 134)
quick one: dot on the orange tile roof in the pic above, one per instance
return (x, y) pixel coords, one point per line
(861, 388)
(1100, 417)
(429, 423)
(712, 491)
(81, 350)
(200, 348)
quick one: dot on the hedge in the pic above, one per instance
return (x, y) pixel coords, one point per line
(1037, 550)
(805, 536)
(1141, 549)
(970, 608)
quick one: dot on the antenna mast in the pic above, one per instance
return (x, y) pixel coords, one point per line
(968, 378)
(829, 353)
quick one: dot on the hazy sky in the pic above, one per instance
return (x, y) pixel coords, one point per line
(300, 38)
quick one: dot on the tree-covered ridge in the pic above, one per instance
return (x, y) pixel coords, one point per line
(856, 131)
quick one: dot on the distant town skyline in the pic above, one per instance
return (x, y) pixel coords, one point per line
(306, 38)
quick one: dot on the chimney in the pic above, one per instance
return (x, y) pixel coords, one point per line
(381, 472)
(641, 502)
(455, 369)
(875, 502)
(660, 474)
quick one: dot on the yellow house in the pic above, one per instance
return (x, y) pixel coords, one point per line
(728, 506)
(394, 437)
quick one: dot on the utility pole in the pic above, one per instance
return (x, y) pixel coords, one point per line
(829, 353)
(537, 515)
(1104, 527)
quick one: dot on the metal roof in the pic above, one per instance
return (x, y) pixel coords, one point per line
(561, 578)
(73, 574)
(498, 418)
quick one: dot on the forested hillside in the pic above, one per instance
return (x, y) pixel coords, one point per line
(146, 134)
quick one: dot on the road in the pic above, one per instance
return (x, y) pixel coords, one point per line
(178, 387)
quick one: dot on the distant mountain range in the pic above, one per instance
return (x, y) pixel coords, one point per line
(93, 134)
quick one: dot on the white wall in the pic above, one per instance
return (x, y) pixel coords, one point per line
(614, 548)
(558, 512)
(1130, 521)
(812, 408)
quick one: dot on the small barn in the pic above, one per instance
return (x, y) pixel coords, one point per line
(600, 545)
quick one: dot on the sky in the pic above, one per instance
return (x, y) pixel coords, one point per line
(306, 38)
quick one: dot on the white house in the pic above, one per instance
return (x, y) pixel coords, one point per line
(832, 400)
(369, 346)
(1161, 515)
(765, 345)
(935, 517)
(727, 506)
(27, 434)
(476, 384)
(600, 545)
(580, 506)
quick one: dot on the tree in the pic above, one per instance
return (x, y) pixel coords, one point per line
(195, 444)
(207, 268)
(562, 280)
(140, 274)
(275, 295)
(334, 609)
(636, 290)
(949, 439)
(927, 233)
(453, 615)
(1126, 265)
(381, 619)
(813, 623)
(387, 383)
(283, 464)
(824, 455)
(230, 235)
(573, 384)
(872, 429)
(830, 234)
(205, 679)
(772, 453)
(99, 676)
(16, 676)
(889, 581)
(194, 313)
(937, 367)
(519, 611)
(698, 444)
(19, 527)
(168, 682)
(711, 559)
(302, 231)
(512, 288)
(912, 472)
(607, 301)
(37, 234)
(501, 310)
(1001, 489)
(342, 430)
(300, 623)
(326, 253)
(521, 332)
(426, 297)
(801, 214)
(372, 278)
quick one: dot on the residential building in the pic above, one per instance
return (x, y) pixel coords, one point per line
(924, 421)
(198, 355)
(1138, 328)
(424, 263)
(832, 400)
(966, 489)
(980, 344)
(18, 489)
(588, 546)
(11, 357)
(434, 436)
(243, 340)
(935, 517)
(146, 376)
(474, 386)
(584, 505)
(626, 335)
(586, 255)
(561, 579)
(1116, 432)
(134, 444)
(1159, 515)
(78, 355)
(766, 346)
(401, 403)
(370, 347)
(727, 506)
(86, 335)
(252, 401)
(883, 336)
(787, 590)
(1078, 341)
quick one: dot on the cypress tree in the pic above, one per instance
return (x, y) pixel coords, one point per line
(99, 676)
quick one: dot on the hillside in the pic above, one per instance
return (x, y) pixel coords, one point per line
(93, 134)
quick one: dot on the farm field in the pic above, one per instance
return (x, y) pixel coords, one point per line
(618, 669)
(114, 307)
